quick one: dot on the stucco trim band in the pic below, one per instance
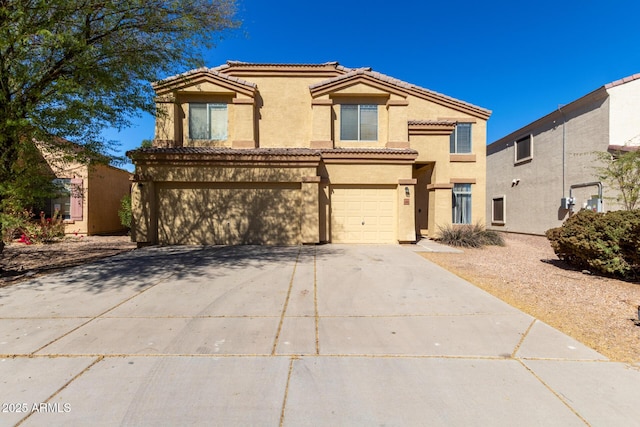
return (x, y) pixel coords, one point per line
(431, 187)
(463, 158)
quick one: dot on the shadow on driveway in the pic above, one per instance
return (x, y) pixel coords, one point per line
(141, 268)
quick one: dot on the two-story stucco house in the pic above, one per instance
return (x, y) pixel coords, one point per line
(250, 153)
(543, 172)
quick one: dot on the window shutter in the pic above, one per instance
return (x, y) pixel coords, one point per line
(77, 194)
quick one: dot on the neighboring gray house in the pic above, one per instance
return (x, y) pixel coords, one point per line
(540, 174)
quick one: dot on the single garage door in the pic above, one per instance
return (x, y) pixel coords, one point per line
(229, 214)
(363, 214)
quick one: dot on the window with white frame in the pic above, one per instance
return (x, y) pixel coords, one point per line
(358, 122)
(460, 139)
(208, 121)
(61, 203)
(68, 200)
(461, 202)
(524, 149)
(498, 210)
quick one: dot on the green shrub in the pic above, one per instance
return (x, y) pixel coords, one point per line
(469, 236)
(125, 211)
(605, 243)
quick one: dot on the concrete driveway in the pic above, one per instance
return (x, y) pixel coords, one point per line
(328, 335)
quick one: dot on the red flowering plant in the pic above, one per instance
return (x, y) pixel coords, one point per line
(50, 229)
(44, 230)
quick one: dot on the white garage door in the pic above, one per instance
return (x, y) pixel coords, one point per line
(363, 214)
(229, 214)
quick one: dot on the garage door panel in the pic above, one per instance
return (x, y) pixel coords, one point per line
(235, 214)
(363, 214)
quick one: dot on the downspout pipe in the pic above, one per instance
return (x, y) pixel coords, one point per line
(564, 149)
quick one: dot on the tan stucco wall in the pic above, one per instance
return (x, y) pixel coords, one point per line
(379, 174)
(353, 173)
(449, 169)
(106, 186)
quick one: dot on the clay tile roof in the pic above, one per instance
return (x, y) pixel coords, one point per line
(280, 64)
(212, 71)
(230, 151)
(622, 81)
(279, 152)
(355, 150)
(623, 148)
(398, 83)
(431, 122)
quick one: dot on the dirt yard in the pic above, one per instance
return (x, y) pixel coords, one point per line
(19, 261)
(600, 312)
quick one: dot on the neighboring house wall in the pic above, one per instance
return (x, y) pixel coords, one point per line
(288, 167)
(563, 145)
(95, 195)
(106, 187)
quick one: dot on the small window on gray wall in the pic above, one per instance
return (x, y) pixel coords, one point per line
(524, 149)
(498, 210)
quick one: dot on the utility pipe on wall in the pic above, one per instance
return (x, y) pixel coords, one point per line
(585, 184)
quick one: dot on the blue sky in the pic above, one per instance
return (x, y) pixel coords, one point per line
(520, 59)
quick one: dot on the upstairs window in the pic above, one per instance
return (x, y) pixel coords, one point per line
(460, 139)
(208, 121)
(358, 122)
(524, 149)
(461, 204)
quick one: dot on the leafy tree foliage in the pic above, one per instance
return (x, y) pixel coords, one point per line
(70, 68)
(621, 171)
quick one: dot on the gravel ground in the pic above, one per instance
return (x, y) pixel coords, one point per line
(600, 312)
(597, 311)
(19, 261)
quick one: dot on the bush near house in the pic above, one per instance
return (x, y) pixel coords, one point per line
(124, 213)
(604, 243)
(469, 236)
(23, 226)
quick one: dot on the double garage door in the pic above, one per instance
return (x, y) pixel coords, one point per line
(363, 214)
(269, 214)
(229, 214)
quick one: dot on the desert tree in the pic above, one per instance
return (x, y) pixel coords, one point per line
(71, 68)
(621, 171)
